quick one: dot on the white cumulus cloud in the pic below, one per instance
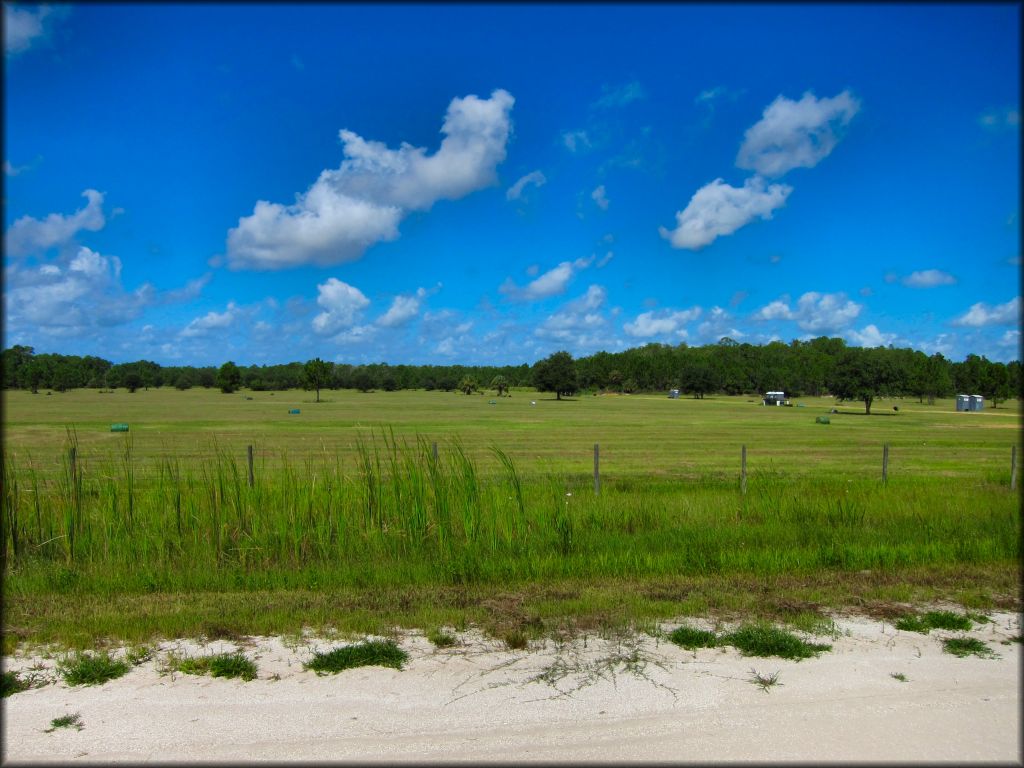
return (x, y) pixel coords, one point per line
(661, 322)
(870, 336)
(814, 311)
(341, 304)
(362, 202)
(718, 209)
(28, 235)
(600, 198)
(984, 314)
(796, 134)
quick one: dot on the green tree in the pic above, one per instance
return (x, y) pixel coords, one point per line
(183, 382)
(500, 383)
(132, 380)
(615, 380)
(556, 373)
(468, 385)
(318, 374)
(862, 374)
(229, 378)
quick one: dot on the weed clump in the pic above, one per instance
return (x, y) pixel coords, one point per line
(765, 640)
(91, 669)
(219, 665)
(691, 637)
(442, 639)
(968, 646)
(66, 721)
(12, 684)
(933, 620)
(370, 653)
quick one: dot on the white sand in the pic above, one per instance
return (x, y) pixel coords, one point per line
(479, 702)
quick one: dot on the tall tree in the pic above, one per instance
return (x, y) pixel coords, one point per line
(318, 374)
(862, 374)
(229, 378)
(556, 373)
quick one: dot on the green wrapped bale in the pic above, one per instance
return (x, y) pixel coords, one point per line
(119, 427)
(822, 420)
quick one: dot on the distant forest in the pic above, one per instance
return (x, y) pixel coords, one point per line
(816, 367)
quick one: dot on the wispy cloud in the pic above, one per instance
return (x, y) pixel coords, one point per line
(30, 235)
(1005, 119)
(551, 283)
(516, 190)
(619, 96)
(982, 314)
(362, 202)
(25, 26)
(796, 134)
(600, 198)
(928, 278)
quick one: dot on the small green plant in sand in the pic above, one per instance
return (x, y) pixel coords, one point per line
(12, 684)
(66, 721)
(968, 646)
(898, 676)
(764, 681)
(442, 639)
(91, 668)
(369, 653)
(762, 639)
(218, 665)
(691, 637)
(924, 623)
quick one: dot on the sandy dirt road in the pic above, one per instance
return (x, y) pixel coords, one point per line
(613, 699)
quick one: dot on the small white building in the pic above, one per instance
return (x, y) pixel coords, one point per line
(774, 398)
(674, 394)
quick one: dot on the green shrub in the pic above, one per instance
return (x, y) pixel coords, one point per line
(370, 653)
(91, 669)
(219, 665)
(12, 684)
(968, 646)
(691, 637)
(761, 639)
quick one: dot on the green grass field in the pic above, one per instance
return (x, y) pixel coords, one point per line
(351, 523)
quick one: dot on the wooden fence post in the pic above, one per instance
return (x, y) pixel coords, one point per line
(597, 474)
(252, 478)
(1013, 468)
(885, 463)
(743, 470)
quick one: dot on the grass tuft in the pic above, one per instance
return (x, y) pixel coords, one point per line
(691, 637)
(442, 639)
(968, 646)
(13, 684)
(91, 669)
(218, 665)
(370, 653)
(898, 676)
(760, 639)
(66, 721)
(933, 620)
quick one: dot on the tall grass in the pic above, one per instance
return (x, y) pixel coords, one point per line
(398, 515)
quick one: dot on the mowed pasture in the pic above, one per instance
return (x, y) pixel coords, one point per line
(351, 522)
(646, 436)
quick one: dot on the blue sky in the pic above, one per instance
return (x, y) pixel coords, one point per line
(489, 184)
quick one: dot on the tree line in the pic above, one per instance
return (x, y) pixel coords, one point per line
(819, 366)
